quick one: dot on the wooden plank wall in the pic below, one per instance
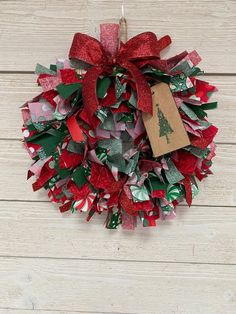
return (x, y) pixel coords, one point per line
(59, 264)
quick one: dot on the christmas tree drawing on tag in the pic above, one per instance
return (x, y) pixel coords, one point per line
(164, 127)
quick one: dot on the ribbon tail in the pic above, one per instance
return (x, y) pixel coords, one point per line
(144, 96)
(89, 90)
(188, 190)
(127, 205)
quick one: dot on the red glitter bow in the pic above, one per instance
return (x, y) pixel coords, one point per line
(142, 47)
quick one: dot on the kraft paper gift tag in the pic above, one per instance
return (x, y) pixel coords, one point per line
(164, 128)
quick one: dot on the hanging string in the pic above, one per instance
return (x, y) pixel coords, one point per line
(123, 24)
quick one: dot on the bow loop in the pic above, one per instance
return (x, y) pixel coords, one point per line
(141, 46)
(87, 49)
(163, 43)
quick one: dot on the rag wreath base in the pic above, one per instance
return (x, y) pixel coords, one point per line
(105, 164)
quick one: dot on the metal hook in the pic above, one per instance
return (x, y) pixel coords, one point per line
(123, 24)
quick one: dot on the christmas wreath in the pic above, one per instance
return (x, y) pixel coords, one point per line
(101, 142)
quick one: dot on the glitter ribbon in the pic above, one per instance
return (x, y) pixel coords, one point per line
(142, 47)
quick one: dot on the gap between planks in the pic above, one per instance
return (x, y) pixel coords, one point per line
(33, 72)
(113, 260)
(45, 201)
(48, 311)
(20, 139)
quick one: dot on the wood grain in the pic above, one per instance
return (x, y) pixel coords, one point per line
(17, 311)
(38, 31)
(59, 264)
(16, 89)
(217, 190)
(71, 285)
(197, 235)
